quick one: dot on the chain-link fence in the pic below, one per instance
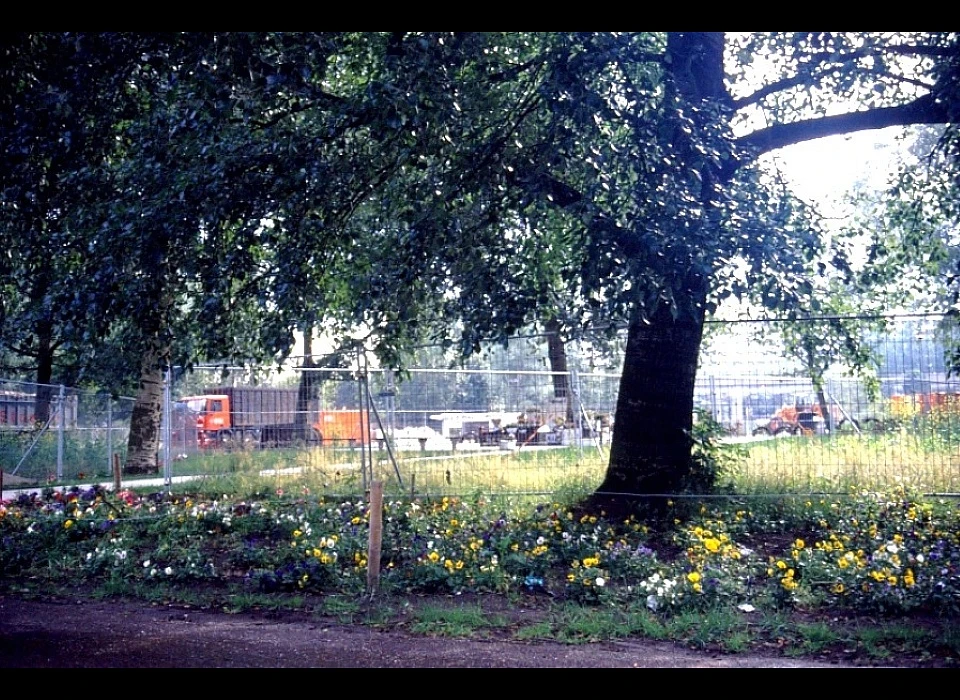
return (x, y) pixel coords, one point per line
(54, 433)
(533, 416)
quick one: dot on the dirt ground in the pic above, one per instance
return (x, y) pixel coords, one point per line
(83, 633)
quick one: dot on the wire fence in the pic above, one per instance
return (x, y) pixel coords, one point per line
(527, 418)
(51, 432)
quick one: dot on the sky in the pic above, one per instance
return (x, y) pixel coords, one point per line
(825, 169)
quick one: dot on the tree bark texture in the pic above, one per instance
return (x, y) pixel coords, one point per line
(651, 449)
(144, 442)
(557, 353)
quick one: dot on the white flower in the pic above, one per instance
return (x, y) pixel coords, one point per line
(600, 582)
(168, 571)
(146, 564)
(540, 540)
(919, 558)
(892, 548)
(653, 603)
(746, 607)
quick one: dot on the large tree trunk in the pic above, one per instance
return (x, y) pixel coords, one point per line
(557, 353)
(306, 390)
(144, 441)
(44, 375)
(651, 451)
(650, 455)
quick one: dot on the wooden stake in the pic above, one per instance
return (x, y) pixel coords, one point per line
(116, 472)
(376, 536)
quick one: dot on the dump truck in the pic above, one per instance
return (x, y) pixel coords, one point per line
(268, 417)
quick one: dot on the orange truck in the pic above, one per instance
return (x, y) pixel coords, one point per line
(267, 417)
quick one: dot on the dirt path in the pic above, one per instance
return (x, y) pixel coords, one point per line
(85, 634)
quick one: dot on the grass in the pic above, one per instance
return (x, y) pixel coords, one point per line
(920, 455)
(445, 621)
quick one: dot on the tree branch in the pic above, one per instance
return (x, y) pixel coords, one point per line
(924, 110)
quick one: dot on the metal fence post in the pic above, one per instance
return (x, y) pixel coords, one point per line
(60, 429)
(109, 434)
(167, 432)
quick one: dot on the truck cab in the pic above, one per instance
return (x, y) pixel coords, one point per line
(214, 427)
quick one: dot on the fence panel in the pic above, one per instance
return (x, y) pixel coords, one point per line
(54, 433)
(505, 422)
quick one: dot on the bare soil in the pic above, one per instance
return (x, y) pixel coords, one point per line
(85, 633)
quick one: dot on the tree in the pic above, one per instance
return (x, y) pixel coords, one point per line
(62, 98)
(637, 169)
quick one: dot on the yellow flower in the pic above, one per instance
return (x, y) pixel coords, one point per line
(297, 533)
(799, 544)
(571, 578)
(67, 524)
(838, 588)
(693, 577)
(697, 587)
(781, 564)
(712, 544)
(434, 557)
(908, 579)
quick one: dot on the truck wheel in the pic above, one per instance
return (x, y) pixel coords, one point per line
(249, 438)
(226, 438)
(848, 426)
(762, 430)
